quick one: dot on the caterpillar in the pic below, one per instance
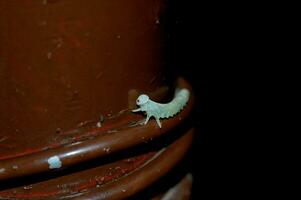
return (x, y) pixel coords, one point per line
(159, 110)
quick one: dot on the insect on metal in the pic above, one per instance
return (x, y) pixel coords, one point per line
(159, 110)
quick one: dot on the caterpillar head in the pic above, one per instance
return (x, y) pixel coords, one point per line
(142, 99)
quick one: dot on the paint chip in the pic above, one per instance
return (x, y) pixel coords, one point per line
(15, 167)
(98, 124)
(106, 149)
(54, 162)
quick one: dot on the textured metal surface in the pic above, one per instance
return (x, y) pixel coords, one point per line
(115, 180)
(66, 64)
(70, 72)
(122, 133)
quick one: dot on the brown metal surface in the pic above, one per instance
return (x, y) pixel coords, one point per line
(67, 63)
(70, 72)
(116, 180)
(94, 143)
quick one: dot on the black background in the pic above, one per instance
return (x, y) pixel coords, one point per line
(200, 49)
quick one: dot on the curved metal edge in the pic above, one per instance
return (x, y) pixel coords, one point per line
(146, 175)
(100, 146)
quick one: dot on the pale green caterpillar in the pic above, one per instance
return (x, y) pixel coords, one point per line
(159, 110)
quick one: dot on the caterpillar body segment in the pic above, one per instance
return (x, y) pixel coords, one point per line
(159, 110)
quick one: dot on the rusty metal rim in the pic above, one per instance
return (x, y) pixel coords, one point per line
(145, 176)
(97, 147)
(142, 177)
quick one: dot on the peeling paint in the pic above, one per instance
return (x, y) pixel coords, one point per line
(79, 187)
(2, 170)
(54, 162)
(98, 125)
(106, 149)
(3, 139)
(15, 167)
(28, 187)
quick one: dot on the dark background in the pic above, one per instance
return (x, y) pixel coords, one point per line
(200, 49)
(229, 52)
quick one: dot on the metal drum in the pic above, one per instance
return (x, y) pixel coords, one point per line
(70, 74)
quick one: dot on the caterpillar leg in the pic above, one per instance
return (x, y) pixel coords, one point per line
(136, 110)
(158, 122)
(146, 120)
